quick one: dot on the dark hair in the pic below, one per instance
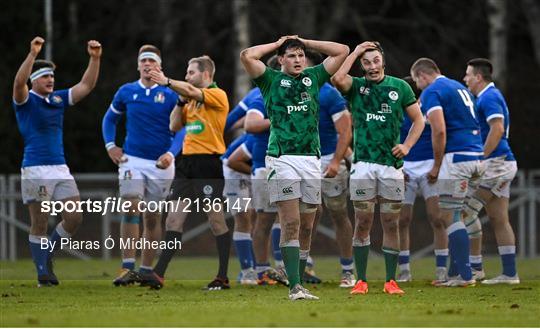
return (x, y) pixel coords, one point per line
(150, 48)
(483, 67)
(425, 65)
(378, 48)
(314, 57)
(41, 63)
(290, 44)
(411, 83)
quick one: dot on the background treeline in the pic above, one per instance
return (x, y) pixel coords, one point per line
(450, 32)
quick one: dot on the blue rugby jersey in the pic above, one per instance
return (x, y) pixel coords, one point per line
(491, 104)
(147, 113)
(331, 103)
(456, 102)
(41, 122)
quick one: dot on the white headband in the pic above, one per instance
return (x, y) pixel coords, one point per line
(41, 72)
(151, 55)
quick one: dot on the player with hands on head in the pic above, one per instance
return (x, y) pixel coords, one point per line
(378, 103)
(293, 155)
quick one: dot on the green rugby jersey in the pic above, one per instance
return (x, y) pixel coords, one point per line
(377, 111)
(292, 104)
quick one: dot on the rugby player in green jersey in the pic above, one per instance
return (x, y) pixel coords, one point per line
(291, 99)
(377, 102)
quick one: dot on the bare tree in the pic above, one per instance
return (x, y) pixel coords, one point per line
(74, 21)
(532, 12)
(498, 37)
(241, 29)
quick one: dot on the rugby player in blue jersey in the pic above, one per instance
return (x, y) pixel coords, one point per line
(493, 191)
(458, 154)
(416, 165)
(44, 173)
(146, 159)
(237, 190)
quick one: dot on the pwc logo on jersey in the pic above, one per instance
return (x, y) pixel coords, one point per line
(375, 117)
(285, 83)
(195, 127)
(296, 108)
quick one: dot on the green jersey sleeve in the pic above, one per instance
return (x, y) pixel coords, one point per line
(319, 72)
(264, 82)
(408, 95)
(354, 86)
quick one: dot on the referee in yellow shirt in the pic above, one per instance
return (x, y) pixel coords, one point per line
(198, 181)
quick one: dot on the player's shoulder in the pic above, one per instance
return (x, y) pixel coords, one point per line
(129, 87)
(253, 95)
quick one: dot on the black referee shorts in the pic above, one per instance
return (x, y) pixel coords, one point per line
(197, 176)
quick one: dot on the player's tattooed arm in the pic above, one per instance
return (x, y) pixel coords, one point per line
(90, 76)
(251, 57)
(20, 88)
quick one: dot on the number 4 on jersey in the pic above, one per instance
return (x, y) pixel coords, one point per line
(466, 98)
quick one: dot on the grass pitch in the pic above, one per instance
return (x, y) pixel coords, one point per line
(86, 298)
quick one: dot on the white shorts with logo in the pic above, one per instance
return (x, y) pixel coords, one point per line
(417, 183)
(371, 179)
(454, 178)
(335, 186)
(46, 183)
(261, 193)
(497, 177)
(294, 176)
(140, 178)
(237, 188)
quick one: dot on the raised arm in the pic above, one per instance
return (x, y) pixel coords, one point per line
(20, 88)
(251, 57)
(418, 124)
(336, 53)
(90, 76)
(341, 79)
(183, 88)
